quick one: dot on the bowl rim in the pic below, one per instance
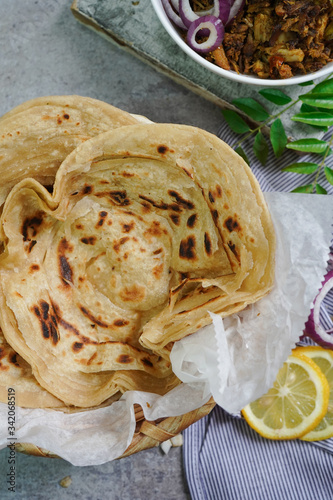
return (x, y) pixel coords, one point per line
(232, 75)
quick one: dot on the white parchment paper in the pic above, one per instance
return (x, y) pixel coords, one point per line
(238, 358)
(235, 360)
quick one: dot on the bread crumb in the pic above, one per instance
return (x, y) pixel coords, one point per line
(65, 482)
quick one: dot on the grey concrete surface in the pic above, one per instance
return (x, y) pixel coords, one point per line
(44, 51)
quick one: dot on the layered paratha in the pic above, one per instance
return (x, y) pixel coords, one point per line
(148, 228)
(36, 136)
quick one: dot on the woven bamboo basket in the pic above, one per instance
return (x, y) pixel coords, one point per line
(148, 434)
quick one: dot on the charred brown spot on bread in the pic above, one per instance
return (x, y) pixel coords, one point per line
(208, 244)
(211, 197)
(79, 227)
(77, 346)
(218, 191)
(187, 248)
(175, 208)
(119, 198)
(65, 246)
(48, 322)
(87, 189)
(187, 172)
(127, 174)
(91, 359)
(128, 227)
(155, 229)
(66, 116)
(215, 215)
(65, 269)
(104, 181)
(147, 362)
(133, 293)
(102, 216)
(191, 220)
(93, 318)
(119, 243)
(31, 226)
(32, 243)
(162, 205)
(158, 251)
(45, 307)
(231, 224)
(13, 359)
(145, 207)
(232, 247)
(158, 270)
(90, 240)
(66, 272)
(162, 149)
(120, 322)
(180, 200)
(124, 359)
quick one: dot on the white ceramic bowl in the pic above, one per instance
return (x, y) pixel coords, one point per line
(232, 75)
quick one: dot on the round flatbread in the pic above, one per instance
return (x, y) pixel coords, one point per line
(36, 136)
(148, 229)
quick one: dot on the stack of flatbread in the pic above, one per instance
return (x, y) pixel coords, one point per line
(117, 239)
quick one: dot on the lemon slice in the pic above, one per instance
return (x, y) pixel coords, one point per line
(324, 359)
(295, 404)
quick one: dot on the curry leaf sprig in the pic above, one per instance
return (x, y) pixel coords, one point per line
(316, 110)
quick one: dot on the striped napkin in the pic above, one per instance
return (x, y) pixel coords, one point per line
(224, 458)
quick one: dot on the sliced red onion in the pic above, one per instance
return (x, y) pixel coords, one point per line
(222, 10)
(313, 328)
(204, 24)
(172, 15)
(236, 6)
(186, 13)
(175, 4)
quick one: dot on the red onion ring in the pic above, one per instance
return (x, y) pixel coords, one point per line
(206, 23)
(186, 13)
(236, 6)
(221, 9)
(172, 15)
(182, 15)
(313, 328)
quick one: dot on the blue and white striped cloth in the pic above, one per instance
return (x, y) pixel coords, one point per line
(224, 458)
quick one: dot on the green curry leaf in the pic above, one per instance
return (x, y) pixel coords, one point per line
(301, 168)
(242, 153)
(235, 122)
(252, 108)
(308, 145)
(314, 118)
(275, 96)
(260, 148)
(278, 137)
